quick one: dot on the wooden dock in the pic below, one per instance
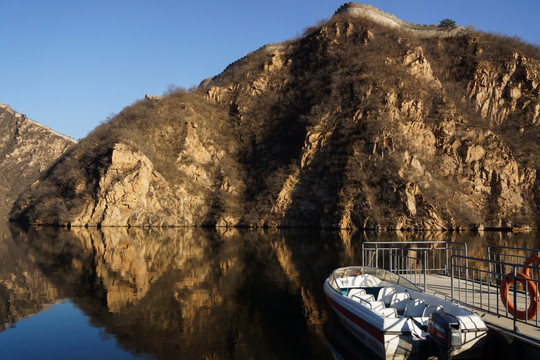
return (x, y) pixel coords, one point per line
(485, 301)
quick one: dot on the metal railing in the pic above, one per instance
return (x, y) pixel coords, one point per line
(507, 254)
(409, 263)
(473, 281)
(436, 253)
(477, 283)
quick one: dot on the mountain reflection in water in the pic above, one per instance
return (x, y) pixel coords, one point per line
(192, 293)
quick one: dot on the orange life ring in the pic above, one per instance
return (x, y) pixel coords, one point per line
(535, 259)
(531, 288)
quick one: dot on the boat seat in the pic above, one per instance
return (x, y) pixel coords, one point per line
(369, 302)
(431, 309)
(388, 312)
(375, 305)
(385, 295)
(399, 301)
(353, 292)
(414, 308)
(365, 298)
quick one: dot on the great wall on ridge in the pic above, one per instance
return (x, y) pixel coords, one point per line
(355, 9)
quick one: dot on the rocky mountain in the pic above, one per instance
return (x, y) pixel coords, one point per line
(27, 150)
(365, 121)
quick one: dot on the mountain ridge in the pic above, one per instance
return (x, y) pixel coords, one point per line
(27, 149)
(354, 125)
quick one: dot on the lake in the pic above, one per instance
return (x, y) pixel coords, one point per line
(117, 293)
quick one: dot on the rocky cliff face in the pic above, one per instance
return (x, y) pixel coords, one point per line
(181, 177)
(130, 192)
(358, 124)
(27, 150)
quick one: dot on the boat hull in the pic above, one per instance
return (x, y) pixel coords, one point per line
(402, 327)
(383, 339)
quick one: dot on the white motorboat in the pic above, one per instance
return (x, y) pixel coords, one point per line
(396, 319)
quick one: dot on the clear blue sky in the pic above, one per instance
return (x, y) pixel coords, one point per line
(69, 64)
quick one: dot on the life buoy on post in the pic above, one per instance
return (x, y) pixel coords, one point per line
(531, 289)
(535, 259)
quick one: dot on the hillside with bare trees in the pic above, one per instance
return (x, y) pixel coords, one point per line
(359, 123)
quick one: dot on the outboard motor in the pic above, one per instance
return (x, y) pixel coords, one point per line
(443, 329)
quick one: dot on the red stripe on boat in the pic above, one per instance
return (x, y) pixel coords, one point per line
(374, 332)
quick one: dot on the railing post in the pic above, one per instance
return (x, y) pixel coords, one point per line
(424, 268)
(498, 287)
(467, 268)
(514, 272)
(452, 279)
(489, 266)
(376, 255)
(446, 264)
(363, 255)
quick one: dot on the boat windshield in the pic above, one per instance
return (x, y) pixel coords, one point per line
(383, 275)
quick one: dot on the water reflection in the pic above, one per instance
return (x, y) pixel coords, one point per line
(176, 292)
(193, 293)
(24, 290)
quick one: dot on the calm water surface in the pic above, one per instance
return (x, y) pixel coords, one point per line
(181, 293)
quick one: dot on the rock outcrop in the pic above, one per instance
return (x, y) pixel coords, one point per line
(129, 191)
(110, 181)
(364, 122)
(27, 150)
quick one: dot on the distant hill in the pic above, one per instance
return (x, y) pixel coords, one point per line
(366, 121)
(27, 150)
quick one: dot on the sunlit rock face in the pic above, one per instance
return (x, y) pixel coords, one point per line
(27, 150)
(408, 143)
(130, 193)
(364, 122)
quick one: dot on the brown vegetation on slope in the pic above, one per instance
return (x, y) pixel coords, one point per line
(352, 125)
